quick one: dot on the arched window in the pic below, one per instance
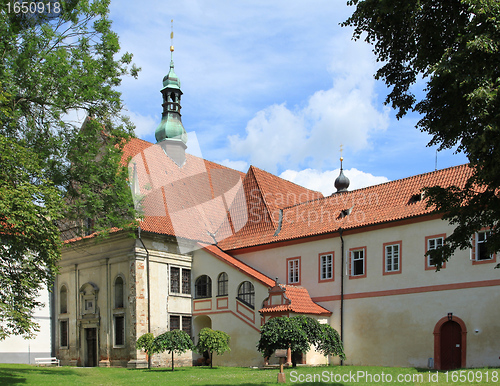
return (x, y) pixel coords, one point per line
(119, 292)
(63, 300)
(203, 287)
(246, 293)
(222, 284)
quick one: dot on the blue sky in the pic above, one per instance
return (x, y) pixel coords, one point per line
(275, 84)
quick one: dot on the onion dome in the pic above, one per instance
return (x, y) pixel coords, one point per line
(341, 182)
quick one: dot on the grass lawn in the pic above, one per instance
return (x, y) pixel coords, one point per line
(185, 376)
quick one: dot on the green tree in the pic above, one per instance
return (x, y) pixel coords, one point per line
(212, 341)
(29, 207)
(175, 341)
(298, 333)
(281, 333)
(455, 46)
(329, 342)
(146, 343)
(54, 66)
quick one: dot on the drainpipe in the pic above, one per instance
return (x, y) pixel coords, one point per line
(342, 291)
(148, 288)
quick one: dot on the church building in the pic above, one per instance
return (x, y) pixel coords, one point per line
(228, 250)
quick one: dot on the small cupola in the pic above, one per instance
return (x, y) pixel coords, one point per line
(341, 182)
(170, 133)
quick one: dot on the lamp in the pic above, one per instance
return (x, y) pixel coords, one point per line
(450, 316)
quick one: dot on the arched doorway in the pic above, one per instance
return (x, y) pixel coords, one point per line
(450, 343)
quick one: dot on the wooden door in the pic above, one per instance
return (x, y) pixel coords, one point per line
(91, 338)
(451, 346)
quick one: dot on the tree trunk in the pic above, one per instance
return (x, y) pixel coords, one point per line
(211, 359)
(172, 361)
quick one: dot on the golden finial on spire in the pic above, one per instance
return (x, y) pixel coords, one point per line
(341, 150)
(172, 36)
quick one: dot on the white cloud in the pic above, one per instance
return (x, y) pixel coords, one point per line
(144, 125)
(242, 166)
(278, 137)
(324, 181)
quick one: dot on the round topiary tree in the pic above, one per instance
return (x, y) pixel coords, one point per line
(298, 333)
(212, 341)
(175, 341)
(146, 344)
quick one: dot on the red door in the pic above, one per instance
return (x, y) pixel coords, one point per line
(451, 346)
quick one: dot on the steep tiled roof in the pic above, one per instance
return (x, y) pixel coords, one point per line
(239, 265)
(244, 210)
(379, 204)
(184, 202)
(296, 299)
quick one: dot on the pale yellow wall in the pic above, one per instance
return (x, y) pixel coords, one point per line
(100, 264)
(395, 316)
(244, 332)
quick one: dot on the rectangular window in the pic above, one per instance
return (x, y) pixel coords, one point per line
(175, 280)
(326, 266)
(64, 333)
(186, 324)
(175, 322)
(481, 253)
(119, 330)
(433, 242)
(186, 281)
(180, 280)
(293, 270)
(357, 262)
(392, 257)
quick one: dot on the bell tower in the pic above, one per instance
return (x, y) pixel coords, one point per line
(170, 134)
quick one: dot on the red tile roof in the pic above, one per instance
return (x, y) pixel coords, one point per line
(196, 199)
(296, 299)
(239, 265)
(186, 201)
(379, 204)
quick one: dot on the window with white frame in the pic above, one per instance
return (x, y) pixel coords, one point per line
(180, 280)
(433, 243)
(392, 257)
(481, 252)
(326, 266)
(293, 271)
(358, 262)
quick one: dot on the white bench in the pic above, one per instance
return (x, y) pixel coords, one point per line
(47, 361)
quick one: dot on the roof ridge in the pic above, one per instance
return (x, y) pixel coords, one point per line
(376, 185)
(285, 180)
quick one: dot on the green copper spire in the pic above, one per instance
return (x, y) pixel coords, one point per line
(171, 127)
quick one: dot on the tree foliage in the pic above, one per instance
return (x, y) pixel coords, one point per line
(146, 343)
(298, 333)
(212, 341)
(54, 67)
(29, 207)
(175, 341)
(455, 46)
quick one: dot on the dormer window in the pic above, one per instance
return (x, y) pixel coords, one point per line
(416, 198)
